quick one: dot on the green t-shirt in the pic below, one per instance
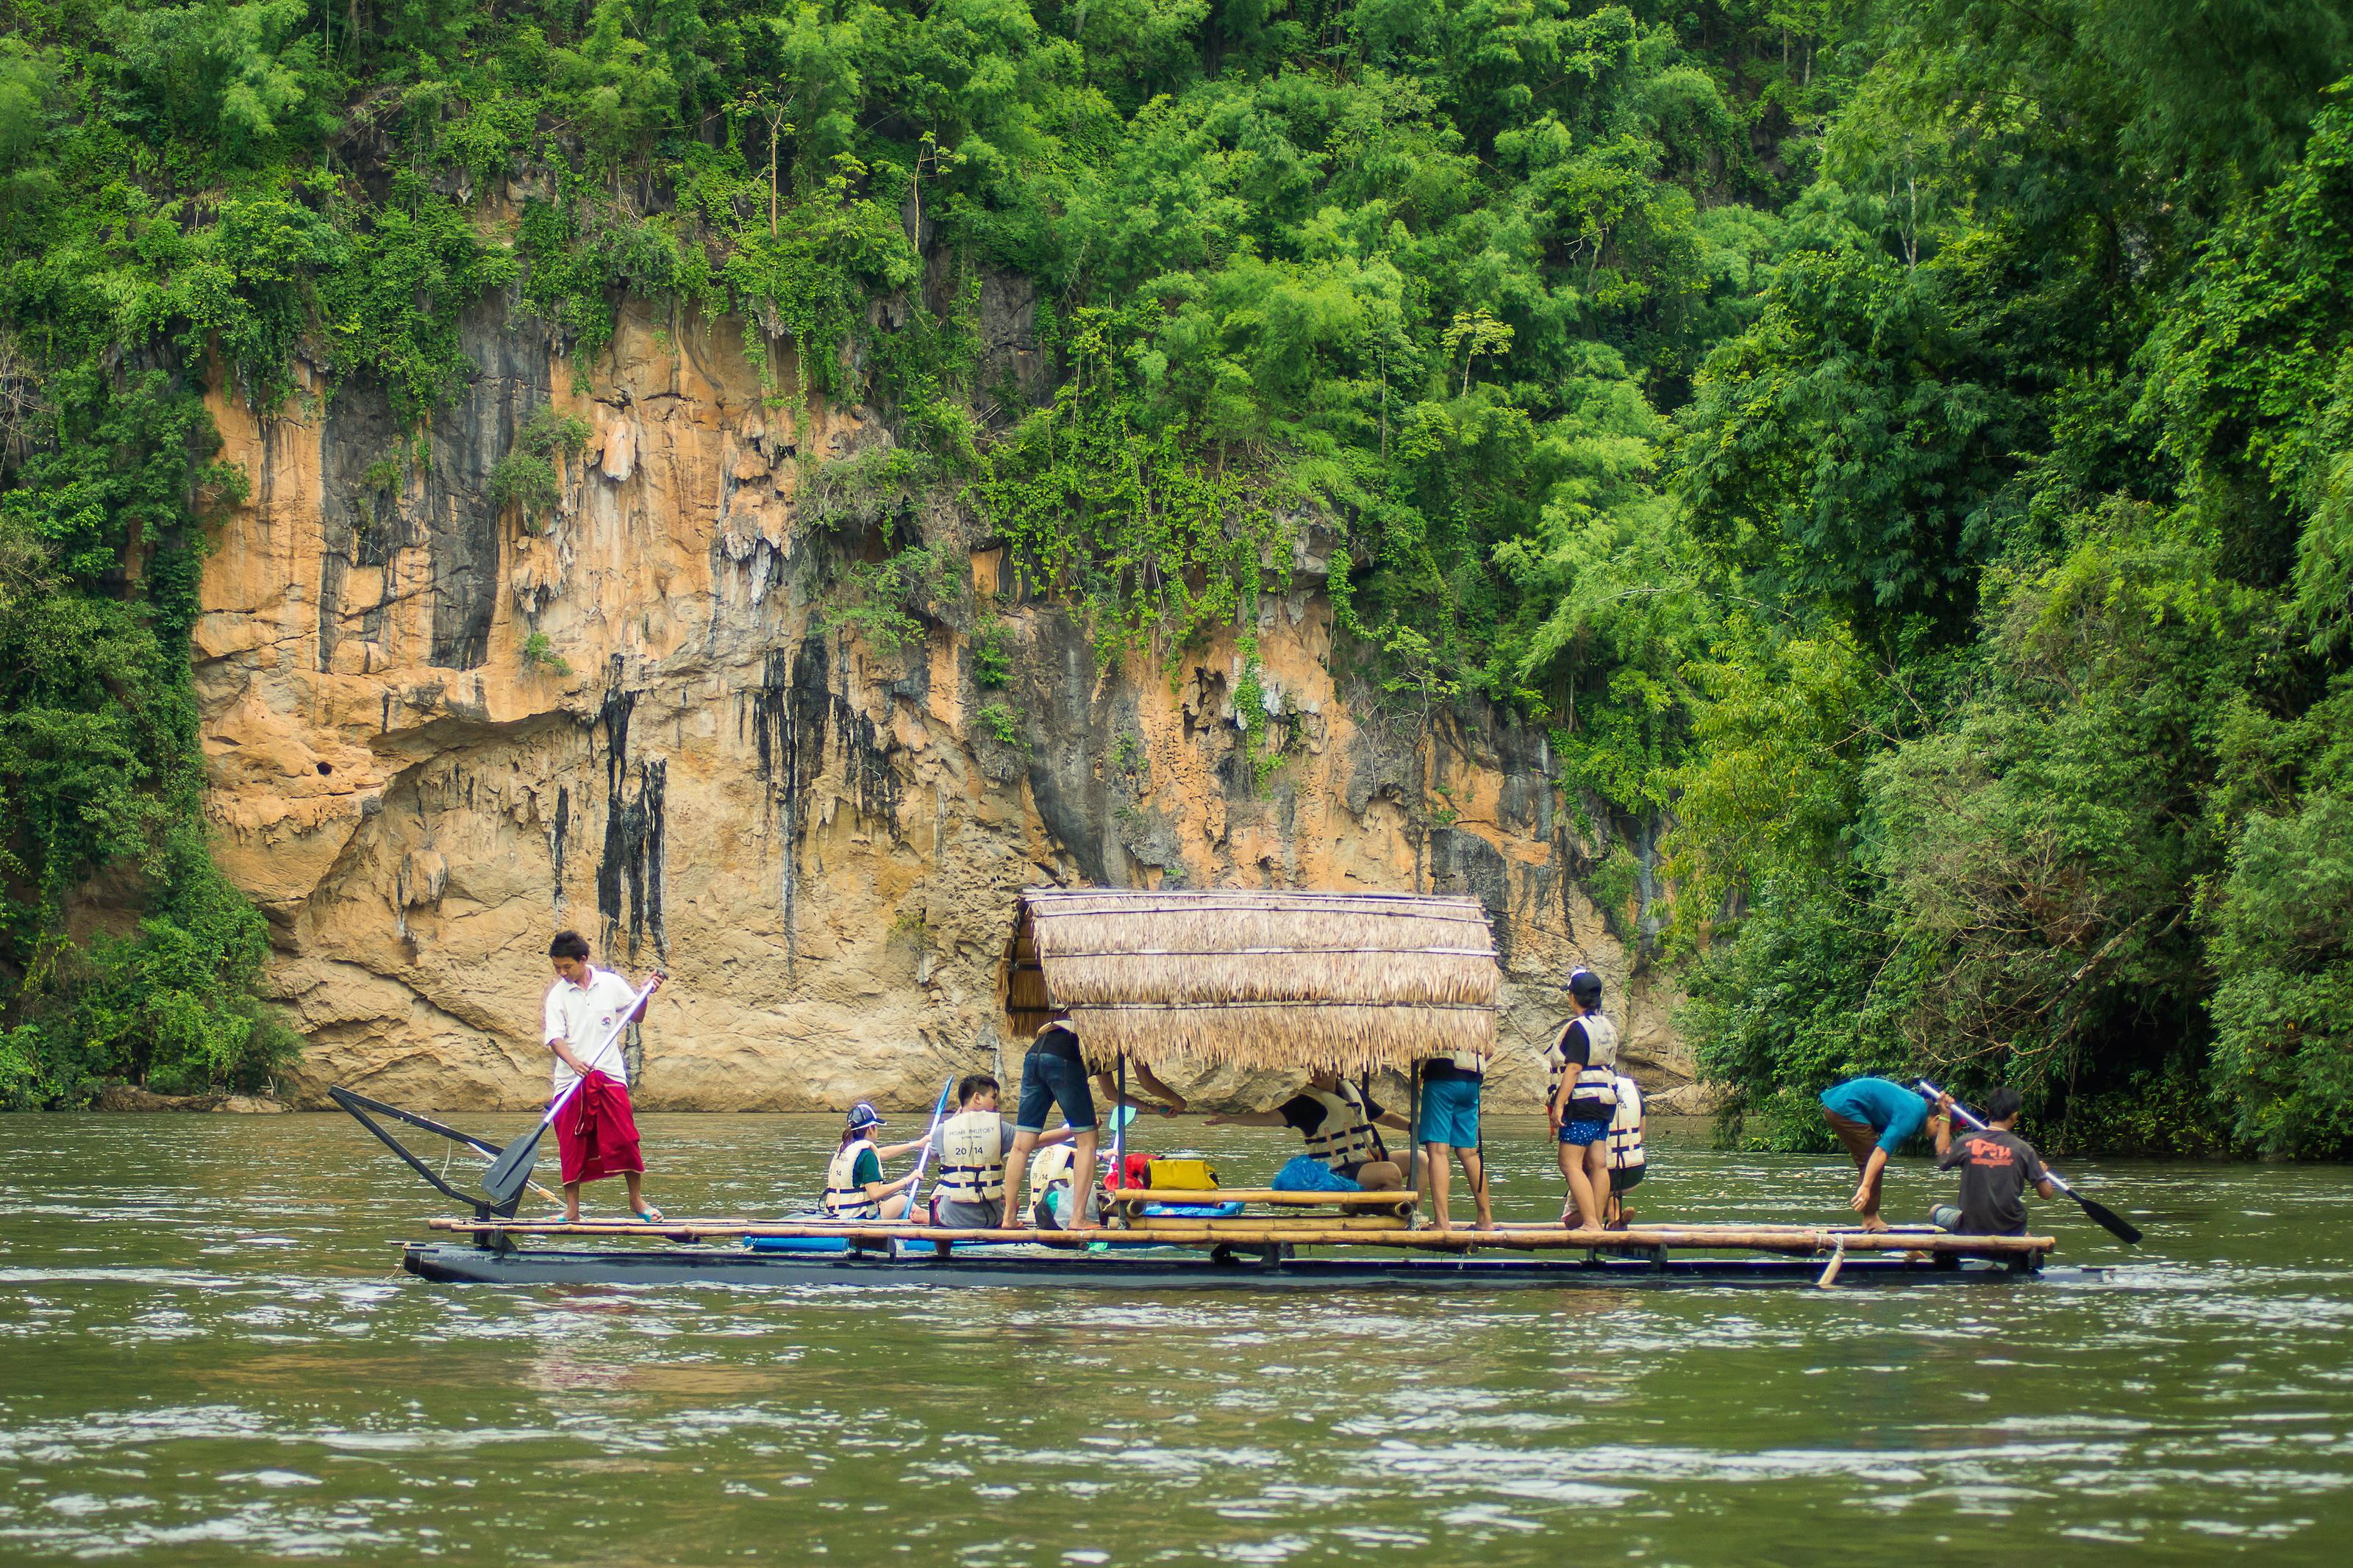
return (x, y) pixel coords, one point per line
(868, 1167)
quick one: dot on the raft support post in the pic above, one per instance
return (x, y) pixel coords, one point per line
(1414, 1168)
(1118, 1179)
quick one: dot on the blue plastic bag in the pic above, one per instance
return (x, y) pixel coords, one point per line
(1306, 1173)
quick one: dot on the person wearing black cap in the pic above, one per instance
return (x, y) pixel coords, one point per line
(1584, 1060)
(854, 1187)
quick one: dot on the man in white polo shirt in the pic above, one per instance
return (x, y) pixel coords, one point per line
(596, 1131)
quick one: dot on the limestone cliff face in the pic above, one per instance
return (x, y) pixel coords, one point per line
(817, 836)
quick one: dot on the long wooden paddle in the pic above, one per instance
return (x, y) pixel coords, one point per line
(2106, 1218)
(507, 1177)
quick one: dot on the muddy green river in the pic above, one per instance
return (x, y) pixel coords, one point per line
(206, 1355)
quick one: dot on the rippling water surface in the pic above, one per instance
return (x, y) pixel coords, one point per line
(209, 1356)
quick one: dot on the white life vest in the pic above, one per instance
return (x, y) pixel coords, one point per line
(1052, 1165)
(1556, 1058)
(1053, 1171)
(1597, 1081)
(972, 1158)
(1626, 1127)
(844, 1198)
(1465, 1061)
(1345, 1136)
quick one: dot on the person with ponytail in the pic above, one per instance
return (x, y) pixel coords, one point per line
(854, 1187)
(1584, 1102)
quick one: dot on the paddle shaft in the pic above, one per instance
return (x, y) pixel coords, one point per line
(923, 1160)
(2107, 1218)
(507, 1177)
(1969, 1120)
(628, 1015)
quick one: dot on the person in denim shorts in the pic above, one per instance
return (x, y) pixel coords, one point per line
(1053, 1073)
(1584, 1102)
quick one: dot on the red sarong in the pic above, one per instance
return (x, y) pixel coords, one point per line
(595, 1132)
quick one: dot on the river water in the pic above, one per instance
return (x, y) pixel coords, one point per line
(206, 1355)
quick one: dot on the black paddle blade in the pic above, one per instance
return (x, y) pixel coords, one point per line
(512, 1169)
(2107, 1219)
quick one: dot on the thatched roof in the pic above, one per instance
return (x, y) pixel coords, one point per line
(1349, 982)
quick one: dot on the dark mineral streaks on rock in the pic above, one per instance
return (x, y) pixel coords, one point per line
(628, 876)
(563, 831)
(794, 709)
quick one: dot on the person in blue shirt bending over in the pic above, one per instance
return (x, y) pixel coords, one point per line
(1873, 1117)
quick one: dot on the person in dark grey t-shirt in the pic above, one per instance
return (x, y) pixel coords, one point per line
(1997, 1166)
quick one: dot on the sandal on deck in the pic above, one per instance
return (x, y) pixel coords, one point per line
(648, 1214)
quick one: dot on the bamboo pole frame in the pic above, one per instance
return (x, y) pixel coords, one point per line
(1118, 1138)
(1417, 1174)
(1531, 1238)
(1269, 1196)
(1158, 1224)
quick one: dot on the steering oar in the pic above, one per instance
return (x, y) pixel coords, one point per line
(2106, 1218)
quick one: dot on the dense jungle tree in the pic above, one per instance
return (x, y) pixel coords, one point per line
(1898, 447)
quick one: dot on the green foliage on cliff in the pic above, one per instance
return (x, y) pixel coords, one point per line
(1898, 447)
(99, 772)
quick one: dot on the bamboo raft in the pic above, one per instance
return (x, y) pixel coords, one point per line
(1349, 984)
(1244, 1231)
(1261, 1252)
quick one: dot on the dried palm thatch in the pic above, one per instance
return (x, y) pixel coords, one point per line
(1345, 981)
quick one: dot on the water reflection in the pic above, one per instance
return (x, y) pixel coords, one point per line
(208, 1352)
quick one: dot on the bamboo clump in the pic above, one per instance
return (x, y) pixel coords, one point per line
(1350, 982)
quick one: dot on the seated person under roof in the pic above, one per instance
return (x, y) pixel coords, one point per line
(1053, 1170)
(1340, 1123)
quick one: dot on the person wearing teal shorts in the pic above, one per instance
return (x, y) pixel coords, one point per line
(1449, 1125)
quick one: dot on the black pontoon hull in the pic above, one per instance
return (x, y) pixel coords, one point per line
(458, 1263)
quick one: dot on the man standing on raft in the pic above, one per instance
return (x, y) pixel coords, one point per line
(1873, 1117)
(1450, 1127)
(1053, 1077)
(596, 1131)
